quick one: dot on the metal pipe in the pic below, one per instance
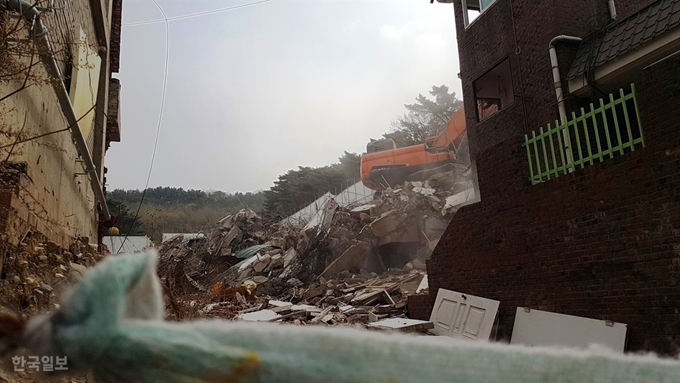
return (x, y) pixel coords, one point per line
(32, 15)
(558, 87)
(612, 10)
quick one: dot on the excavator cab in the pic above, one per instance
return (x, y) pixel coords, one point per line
(384, 164)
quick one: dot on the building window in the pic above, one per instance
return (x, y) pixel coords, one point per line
(493, 91)
(473, 8)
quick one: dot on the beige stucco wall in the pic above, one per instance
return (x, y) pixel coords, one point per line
(54, 197)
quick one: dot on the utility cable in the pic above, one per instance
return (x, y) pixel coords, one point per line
(175, 18)
(160, 121)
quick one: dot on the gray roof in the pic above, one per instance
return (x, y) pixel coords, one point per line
(656, 19)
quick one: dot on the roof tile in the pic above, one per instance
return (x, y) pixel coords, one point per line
(654, 20)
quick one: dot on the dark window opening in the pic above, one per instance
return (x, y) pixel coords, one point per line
(493, 91)
(473, 8)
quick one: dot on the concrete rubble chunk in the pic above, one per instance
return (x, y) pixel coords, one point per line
(363, 208)
(261, 263)
(290, 257)
(350, 258)
(314, 292)
(386, 223)
(260, 316)
(77, 272)
(275, 262)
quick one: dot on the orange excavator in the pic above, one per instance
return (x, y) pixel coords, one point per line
(384, 164)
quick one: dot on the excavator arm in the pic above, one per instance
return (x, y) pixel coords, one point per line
(383, 168)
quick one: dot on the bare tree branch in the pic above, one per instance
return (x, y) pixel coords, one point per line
(23, 86)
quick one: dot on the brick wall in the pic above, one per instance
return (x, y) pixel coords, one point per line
(521, 31)
(602, 242)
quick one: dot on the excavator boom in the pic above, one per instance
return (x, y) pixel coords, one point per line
(386, 167)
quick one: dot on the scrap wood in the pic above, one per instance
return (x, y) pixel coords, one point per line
(292, 314)
(322, 314)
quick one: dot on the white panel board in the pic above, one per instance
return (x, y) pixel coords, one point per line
(463, 316)
(544, 328)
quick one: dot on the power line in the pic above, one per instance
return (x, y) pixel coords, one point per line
(175, 18)
(160, 121)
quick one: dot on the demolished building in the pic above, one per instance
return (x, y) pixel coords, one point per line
(578, 209)
(355, 262)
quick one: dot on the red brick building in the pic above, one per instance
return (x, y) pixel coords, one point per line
(586, 219)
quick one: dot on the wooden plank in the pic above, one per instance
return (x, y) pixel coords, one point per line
(570, 150)
(578, 139)
(585, 131)
(597, 132)
(606, 129)
(616, 124)
(322, 314)
(531, 167)
(552, 151)
(631, 145)
(538, 161)
(637, 114)
(561, 146)
(545, 154)
(403, 324)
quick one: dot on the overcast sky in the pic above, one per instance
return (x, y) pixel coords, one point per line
(256, 91)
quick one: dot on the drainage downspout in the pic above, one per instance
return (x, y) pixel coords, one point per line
(32, 15)
(612, 10)
(558, 88)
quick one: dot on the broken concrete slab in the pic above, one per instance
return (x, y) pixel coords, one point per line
(363, 208)
(290, 256)
(234, 232)
(435, 227)
(261, 263)
(260, 316)
(277, 303)
(314, 292)
(386, 223)
(350, 258)
(275, 262)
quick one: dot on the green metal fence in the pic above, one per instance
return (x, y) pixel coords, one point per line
(610, 129)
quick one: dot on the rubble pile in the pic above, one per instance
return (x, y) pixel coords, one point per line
(349, 264)
(37, 272)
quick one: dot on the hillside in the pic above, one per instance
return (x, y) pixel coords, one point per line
(173, 210)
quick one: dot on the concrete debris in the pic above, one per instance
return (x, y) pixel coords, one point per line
(350, 258)
(36, 273)
(351, 264)
(260, 316)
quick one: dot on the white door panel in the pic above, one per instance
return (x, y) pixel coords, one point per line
(463, 316)
(544, 328)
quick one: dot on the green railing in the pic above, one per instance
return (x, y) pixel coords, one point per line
(605, 131)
